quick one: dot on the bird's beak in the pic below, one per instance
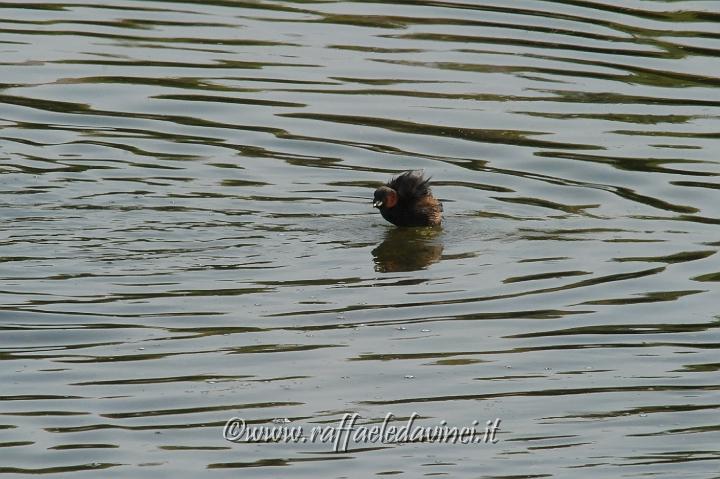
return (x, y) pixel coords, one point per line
(377, 204)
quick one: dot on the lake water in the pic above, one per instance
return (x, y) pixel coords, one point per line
(188, 237)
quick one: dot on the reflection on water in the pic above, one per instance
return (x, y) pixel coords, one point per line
(408, 249)
(187, 235)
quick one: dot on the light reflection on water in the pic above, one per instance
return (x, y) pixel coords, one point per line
(188, 235)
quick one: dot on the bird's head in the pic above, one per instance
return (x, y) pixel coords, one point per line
(385, 197)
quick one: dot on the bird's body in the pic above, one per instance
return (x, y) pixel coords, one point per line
(407, 201)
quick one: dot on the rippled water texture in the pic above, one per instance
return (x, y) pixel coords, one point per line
(188, 236)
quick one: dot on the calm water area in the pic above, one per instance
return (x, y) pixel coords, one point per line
(187, 236)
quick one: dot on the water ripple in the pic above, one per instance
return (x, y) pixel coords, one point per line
(188, 235)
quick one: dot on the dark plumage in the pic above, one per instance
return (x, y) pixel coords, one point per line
(408, 201)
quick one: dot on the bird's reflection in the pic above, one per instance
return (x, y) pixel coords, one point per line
(408, 249)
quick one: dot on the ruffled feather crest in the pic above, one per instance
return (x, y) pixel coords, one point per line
(411, 186)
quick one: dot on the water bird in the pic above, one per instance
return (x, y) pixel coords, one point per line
(406, 200)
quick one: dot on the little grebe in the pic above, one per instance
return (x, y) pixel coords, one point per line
(408, 201)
